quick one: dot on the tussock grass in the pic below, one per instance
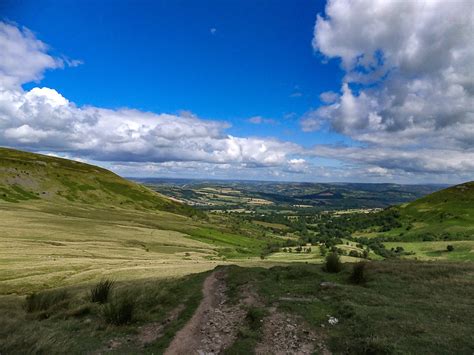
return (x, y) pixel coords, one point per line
(44, 300)
(101, 291)
(66, 321)
(120, 310)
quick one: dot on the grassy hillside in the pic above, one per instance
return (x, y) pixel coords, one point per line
(27, 176)
(439, 226)
(450, 210)
(79, 223)
(444, 215)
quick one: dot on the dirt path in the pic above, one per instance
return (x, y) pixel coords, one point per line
(286, 334)
(213, 326)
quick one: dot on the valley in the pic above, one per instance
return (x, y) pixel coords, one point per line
(65, 226)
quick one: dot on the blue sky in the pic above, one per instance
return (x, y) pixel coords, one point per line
(284, 90)
(163, 56)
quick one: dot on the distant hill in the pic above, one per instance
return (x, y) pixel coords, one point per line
(287, 195)
(30, 176)
(447, 211)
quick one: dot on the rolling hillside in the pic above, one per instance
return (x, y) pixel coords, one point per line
(80, 223)
(447, 211)
(28, 176)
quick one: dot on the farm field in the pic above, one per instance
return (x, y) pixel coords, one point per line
(463, 250)
(285, 197)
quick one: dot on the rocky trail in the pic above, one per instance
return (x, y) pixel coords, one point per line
(286, 334)
(215, 325)
(216, 322)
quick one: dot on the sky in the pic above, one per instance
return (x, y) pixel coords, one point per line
(360, 91)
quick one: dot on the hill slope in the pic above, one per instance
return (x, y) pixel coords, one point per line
(449, 211)
(29, 176)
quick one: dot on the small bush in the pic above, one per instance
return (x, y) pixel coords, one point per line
(333, 263)
(354, 254)
(100, 292)
(119, 311)
(449, 248)
(255, 316)
(358, 273)
(42, 301)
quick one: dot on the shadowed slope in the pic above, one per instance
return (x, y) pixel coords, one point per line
(29, 176)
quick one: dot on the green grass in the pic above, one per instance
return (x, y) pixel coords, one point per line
(66, 225)
(463, 250)
(446, 212)
(73, 243)
(79, 326)
(80, 223)
(405, 307)
(44, 246)
(28, 176)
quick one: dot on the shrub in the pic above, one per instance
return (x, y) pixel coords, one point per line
(42, 301)
(119, 311)
(450, 248)
(333, 263)
(100, 292)
(354, 254)
(358, 273)
(323, 250)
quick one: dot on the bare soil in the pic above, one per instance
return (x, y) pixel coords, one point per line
(286, 334)
(214, 325)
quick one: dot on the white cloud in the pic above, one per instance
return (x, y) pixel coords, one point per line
(261, 120)
(329, 97)
(42, 119)
(417, 57)
(24, 58)
(428, 160)
(409, 82)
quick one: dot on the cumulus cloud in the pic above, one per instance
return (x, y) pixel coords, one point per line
(428, 160)
(408, 84)
(401, 118)
(24, 58)
(42, 119)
